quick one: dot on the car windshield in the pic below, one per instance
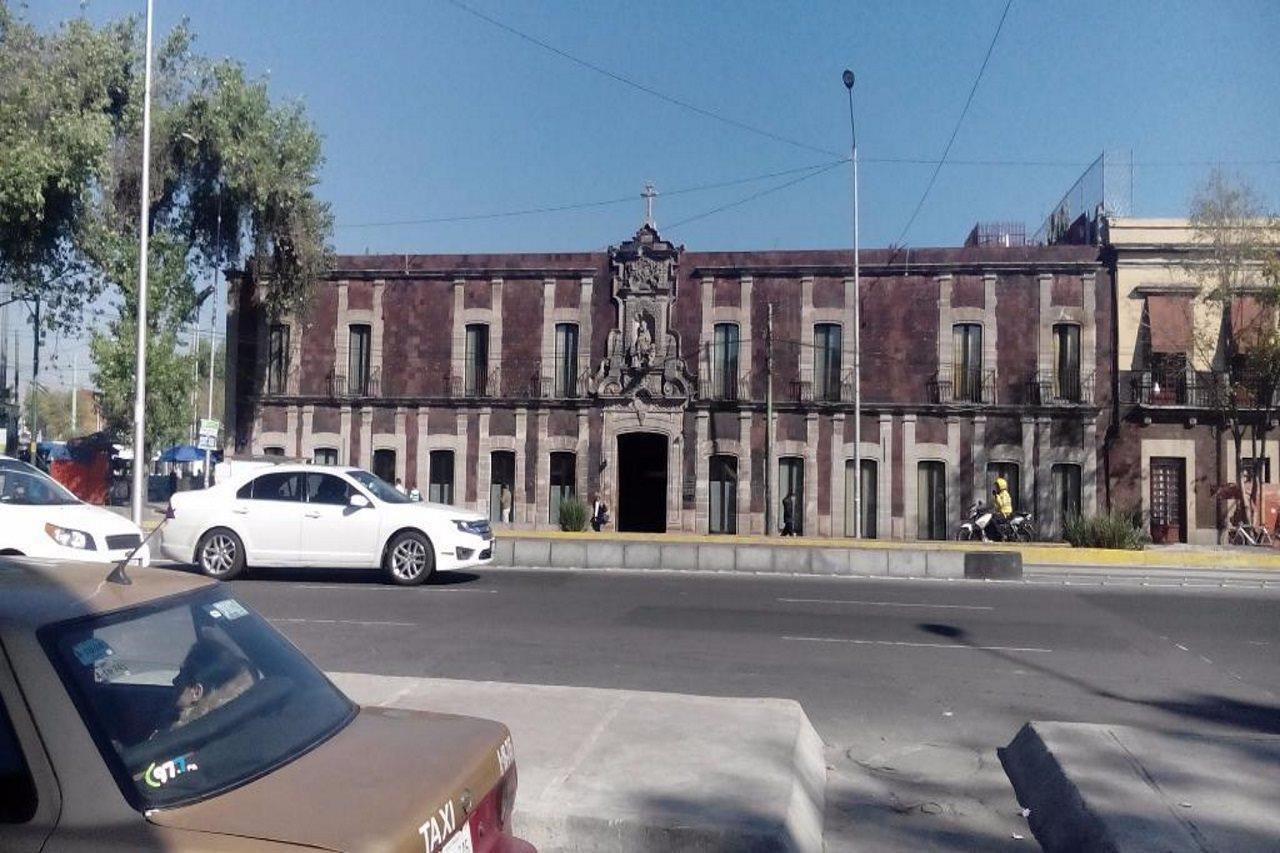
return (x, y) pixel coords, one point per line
(381, 490)
(193, 695)
(25, 486)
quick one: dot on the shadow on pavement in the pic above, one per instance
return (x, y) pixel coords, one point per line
(355, 577)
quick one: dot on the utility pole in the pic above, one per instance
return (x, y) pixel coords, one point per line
(857, 328)
(35, 382)
(140, 390)
(768, 425)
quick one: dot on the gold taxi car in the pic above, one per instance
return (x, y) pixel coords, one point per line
(156, 711)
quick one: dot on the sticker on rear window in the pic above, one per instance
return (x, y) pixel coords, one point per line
(92, 650)
(160, 774)
(228, 608)
(109, 669)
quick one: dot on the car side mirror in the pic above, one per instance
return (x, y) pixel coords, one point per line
(358, 501)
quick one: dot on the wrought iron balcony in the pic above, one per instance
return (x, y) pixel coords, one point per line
(725, 387)
(1060, 388)
(337, 385)
(1192, 389)
(963, 387)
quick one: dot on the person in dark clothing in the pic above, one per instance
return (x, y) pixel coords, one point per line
(599, 514)
(789, 514)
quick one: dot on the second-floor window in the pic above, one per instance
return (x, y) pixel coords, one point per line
(1066, 361)
(359, 357)
(966, 362)
(278, 359)
(566, 379)
(724, 361)
(826, 361)
(476, 367)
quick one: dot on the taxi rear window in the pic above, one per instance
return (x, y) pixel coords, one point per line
(192, 695)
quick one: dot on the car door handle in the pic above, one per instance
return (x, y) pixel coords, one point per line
(241, 510)
(313, 515)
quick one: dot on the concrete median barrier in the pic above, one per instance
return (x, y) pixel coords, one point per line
(992, 565)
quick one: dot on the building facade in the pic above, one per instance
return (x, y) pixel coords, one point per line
(640, 374)
(1176, 353)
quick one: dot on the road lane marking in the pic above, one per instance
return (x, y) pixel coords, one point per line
(382, 588)
(345, 622)
(885, 603)
(913, 645)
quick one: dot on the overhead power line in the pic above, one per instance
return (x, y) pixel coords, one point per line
(640, 87)
(973, 90)
(811, 174)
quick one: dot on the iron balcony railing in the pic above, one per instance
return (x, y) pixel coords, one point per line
(338, 385)
(725, 387)
(963, 387)
(1192, 389)
(1060, 388)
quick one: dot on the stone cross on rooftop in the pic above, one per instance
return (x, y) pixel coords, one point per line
(648, 195)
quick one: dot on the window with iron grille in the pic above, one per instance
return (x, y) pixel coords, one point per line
(278, 359)
(359, 357)
(724, 361)
(966, 362)
(566, 380)
(476, 367)
(563, 477)
(826, 361)
(325, 456)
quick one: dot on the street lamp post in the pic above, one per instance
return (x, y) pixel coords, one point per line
(140, 390)
(857, 326)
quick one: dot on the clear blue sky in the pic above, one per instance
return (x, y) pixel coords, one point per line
(429, 112)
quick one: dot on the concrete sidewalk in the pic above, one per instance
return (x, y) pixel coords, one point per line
(629, 771)
(1116, 788)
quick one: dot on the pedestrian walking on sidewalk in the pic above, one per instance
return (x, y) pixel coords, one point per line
(789, 514)
(504, 504)
(599, 514)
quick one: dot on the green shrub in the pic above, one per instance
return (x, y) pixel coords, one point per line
(1119, 530)
(573, 515)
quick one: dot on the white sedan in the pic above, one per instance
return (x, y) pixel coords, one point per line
(315, 515)
(40, 518)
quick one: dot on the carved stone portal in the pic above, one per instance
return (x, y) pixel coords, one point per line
(643, 357)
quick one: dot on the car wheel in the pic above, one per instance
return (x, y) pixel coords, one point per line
(964, 534)
(1027, 533)
(220, 554)
(409, 559)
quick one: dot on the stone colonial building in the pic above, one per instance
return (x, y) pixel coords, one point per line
(640, 374)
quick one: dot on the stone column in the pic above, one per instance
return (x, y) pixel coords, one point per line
(582, 457)
(953, 470)
(702, 494)
(841, 500)
(1031, 468)
(884, 480)
(910, 479)
(547, 359)
(366, 437)
(308, 430)
(484, 461)
(292, 431)
(458, 352)
(460, 472)
(749, 521)
(344, 430)
(585, 302)
(980, 456)
(521, 512)
(1089, 470)
(812, 526)
(423, 461)
(806, 338)
(542, 486)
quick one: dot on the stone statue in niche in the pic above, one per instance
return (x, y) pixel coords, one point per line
(642, 343)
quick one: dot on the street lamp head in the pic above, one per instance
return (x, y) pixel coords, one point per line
(848, 79)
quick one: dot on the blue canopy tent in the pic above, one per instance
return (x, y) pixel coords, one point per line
(187, 453)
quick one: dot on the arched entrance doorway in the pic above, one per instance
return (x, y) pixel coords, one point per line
(642, 482)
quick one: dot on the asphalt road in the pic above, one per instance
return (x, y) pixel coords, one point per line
(912, 684)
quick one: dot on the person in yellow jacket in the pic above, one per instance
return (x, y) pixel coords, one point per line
(1003, 509)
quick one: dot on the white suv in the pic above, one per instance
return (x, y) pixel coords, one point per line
(316, 515)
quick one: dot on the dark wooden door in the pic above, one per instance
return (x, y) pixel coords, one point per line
(1168, 500)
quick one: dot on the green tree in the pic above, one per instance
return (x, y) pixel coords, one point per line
(1237, 275)
(233, 180)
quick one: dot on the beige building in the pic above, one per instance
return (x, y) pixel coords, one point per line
(1175, 352)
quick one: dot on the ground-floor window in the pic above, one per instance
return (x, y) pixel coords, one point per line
(325, 456)
(791, 487)
(502, 485)
(1066, 493)
(384, 465)
(869, 494)
(273, 451)
(1009, 471)
(440, 488)
(724, 494)
(931, 500)
(563, 476)
(1259, 469)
